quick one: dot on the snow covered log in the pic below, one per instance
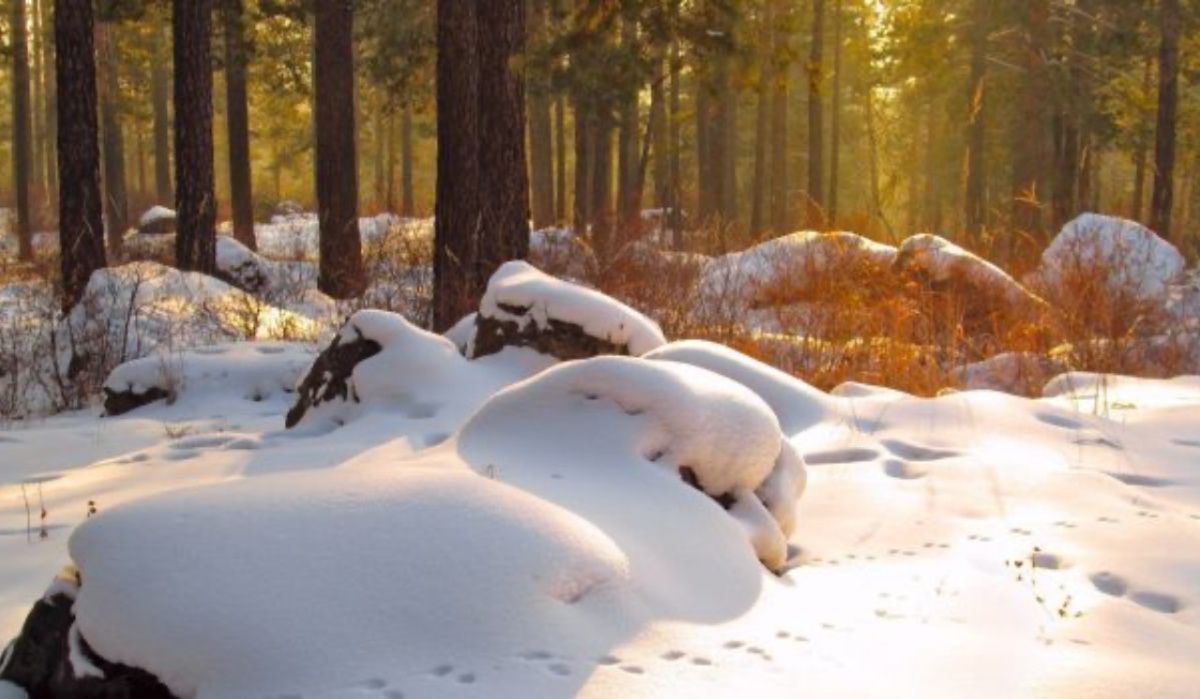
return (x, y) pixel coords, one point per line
(121, 401)
(50, 657)
(523, 307)
(329, 379)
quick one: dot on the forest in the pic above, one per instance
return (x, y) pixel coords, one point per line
(599, 348)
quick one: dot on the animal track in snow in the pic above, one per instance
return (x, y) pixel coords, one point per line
(1140, 480)
(1109, 583)
(1062, 421)
(917, 452)
(840, 456)
(903, 470)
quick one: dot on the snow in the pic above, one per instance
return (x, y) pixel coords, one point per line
(518, 284)
(1127, 257)
(296, 236)
(155, 213)
(943, 261)
(11, 691)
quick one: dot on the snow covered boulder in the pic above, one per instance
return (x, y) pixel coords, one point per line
(330, 377)
(1019, 373)
(50, 658)
(1124, 258)
(158, 220)
(987, 292)
(240, 266)
(524, 307)
(609, 414)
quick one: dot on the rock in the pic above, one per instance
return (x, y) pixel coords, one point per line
(238, 265)
(287, 208)
(556, 338)
(158, 220)
(51, 659)
(329, 377)
(120, 402)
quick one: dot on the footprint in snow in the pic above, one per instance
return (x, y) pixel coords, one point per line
(903, 470)
(1157, 601)
(917, 452)
(1067, 423)
(840, 456)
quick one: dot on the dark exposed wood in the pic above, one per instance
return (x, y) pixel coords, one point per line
(541, 136)
(1163, 198)
(81, 228)
(341, 270)
(195, 203)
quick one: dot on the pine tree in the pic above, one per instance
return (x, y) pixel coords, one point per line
(195, 202)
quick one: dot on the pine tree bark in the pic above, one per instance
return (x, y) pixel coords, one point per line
(975, 213)
(1163, 198)
(658, 133)
(237, 114)
(80, 224)
(160, 88)
(116, 198)
(195, 203)
(541, 132)
(601, 181)
(835, 145)
(389, 186)
(50, 91)
(780, 220)
(1141, 156)
(761, 186)
(341, 270)
(503, 170)
(21, 138)
(816, 134)
(584, 143)
(37, 106)
(627, 142)
(675, 169)
(407, 204)
(456, 216)
(560, 155)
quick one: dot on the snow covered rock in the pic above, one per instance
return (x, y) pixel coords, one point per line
(1123, 257)
(287, 208)
(523, 307)
(330, 377)
(239, 265)
(788, 269)
(937, 264)
(50, 658)
(704, 429)
(1019, 373)
(158, 220)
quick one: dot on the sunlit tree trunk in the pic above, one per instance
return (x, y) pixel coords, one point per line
(408, 206)
(160, 90)
(816, 135)
(21, 145)
(835, 145)
(238, 122)
(1163, 198)
(974, 197)
(116, 200)
(541, 130)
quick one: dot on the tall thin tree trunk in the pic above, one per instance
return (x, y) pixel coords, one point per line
(80, 224)
(37, 106)
(541, 131)
(195, 202)
(379, 154)
(932, 208)
(1163, 198)
(22, 147)
(658, 133)
(456, 217)
(116, 200)
(237, 113)
(341, 269)
(584, 145)
(601, 181)
(389, 177)
(761, 186)
(816, 136)
(140, 146)
(1029, 132)
(408, 206)
(705, 192)
(560, 154)
(779, 123)
(627, 142)
(50, 91)
(975, 213)
(675, 173)
(1141, 155)
(503, 169)
(160, 89)
(835, 145)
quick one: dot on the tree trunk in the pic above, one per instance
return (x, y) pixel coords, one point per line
(195, 203)
(116, 200)
(761, 185)
(22, 146)
(456, 287)
(658, 133)
(835, 145)
(627, 143)
(675, 170)
(1141, 156)
(729, 148)
(407, 205)
(379, 148)
(975, 214)
(1029, 130)
(779, 98)
(238, 121)
(560, 151)
(584, 144)
(705, 192)
(389, 176)
(160, 88)
(601, 181)
(51, 93)
(503, 170)
(932, 208)
(541, 130)
(341, 269)
(80, 224)
(37, 105)
(816, 136)
(1170, 19)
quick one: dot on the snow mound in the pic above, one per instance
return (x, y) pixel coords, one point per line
(797, 405)
(938, 261)
(1019, 373)
(241, 371)
(154, 214)
(319, 580)
(698, 426)
(1125, 256)
(406, 369)
(523, 306)
(798, 261)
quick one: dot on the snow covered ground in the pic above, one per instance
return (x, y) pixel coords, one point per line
(471, 540)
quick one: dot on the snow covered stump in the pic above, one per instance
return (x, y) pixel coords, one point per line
(524, 307)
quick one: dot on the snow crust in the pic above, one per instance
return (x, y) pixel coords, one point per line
(520, 285)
